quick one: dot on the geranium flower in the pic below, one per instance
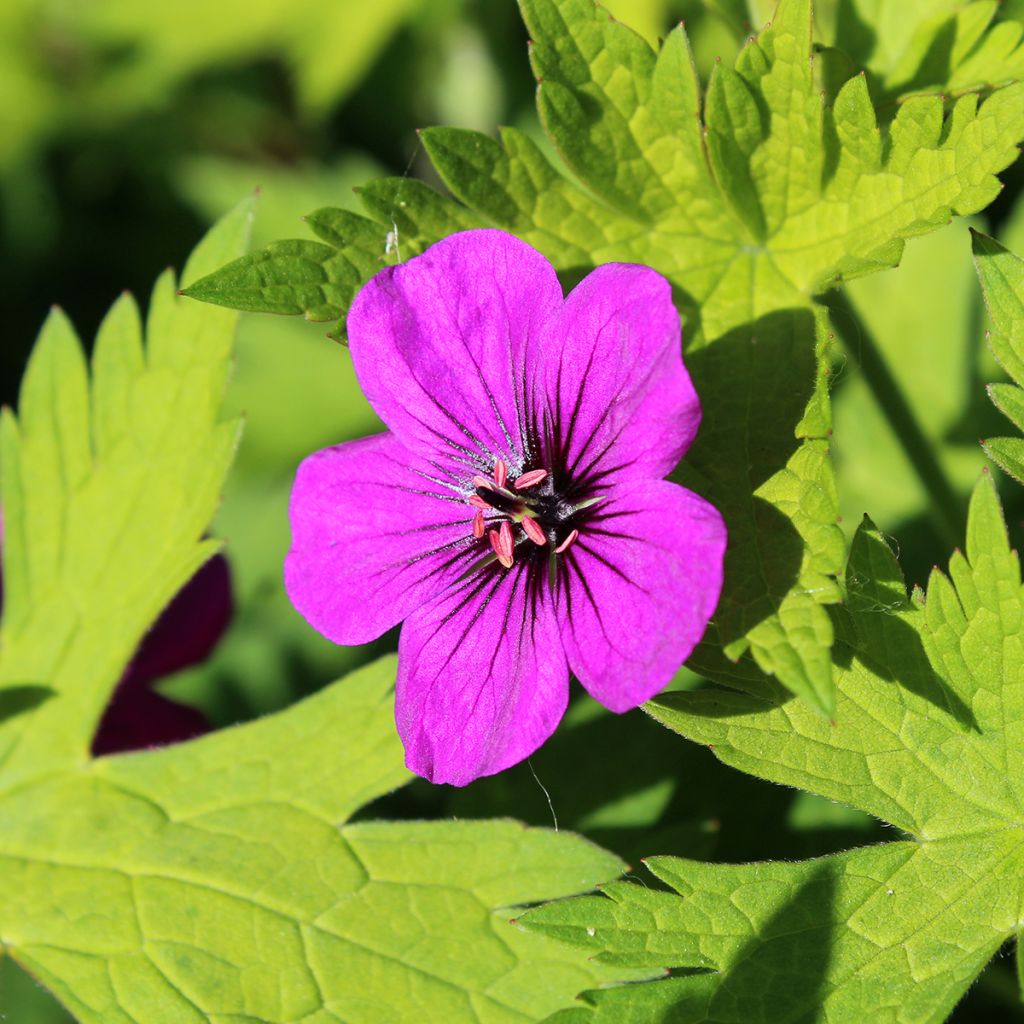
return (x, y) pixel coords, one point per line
(514, 515)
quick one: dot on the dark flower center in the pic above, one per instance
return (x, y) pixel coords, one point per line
(522, 516)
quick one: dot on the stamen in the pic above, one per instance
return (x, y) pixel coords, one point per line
(478, 525)
(477, 502)
(530, 479)
(506, 540)
(533, 530)
(500, 472)
(482, 481)
(568, 542)
(503, 554)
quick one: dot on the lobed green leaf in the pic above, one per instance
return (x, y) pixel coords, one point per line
(927, 736)
(108, 487)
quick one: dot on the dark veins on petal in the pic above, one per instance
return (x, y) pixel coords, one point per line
(527, 507)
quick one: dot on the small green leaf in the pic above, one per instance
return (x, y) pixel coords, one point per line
(958, 52)
(1008, 454)
(289, 278)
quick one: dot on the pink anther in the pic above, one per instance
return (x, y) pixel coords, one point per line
(506, 540)
(530, 479)
(477, 502)
(533, 530)
(503, 555)
(478, 525)
(568, 542)
(500, 472)
(484, 482)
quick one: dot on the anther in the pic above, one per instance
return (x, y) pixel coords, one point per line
(568, 542)
(482, 481)
(500, 472)
(530, 479)
(477, 502)
(533, 530)
(478, 525)
(503, 554)
(506, 540)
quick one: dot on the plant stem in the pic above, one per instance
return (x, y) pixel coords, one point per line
(945, 504)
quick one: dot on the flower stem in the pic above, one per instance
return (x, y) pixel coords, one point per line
(945, 505)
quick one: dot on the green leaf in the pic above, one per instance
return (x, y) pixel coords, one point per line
(627, 121)
(794, 195)
(941, 46)
(107, 488)
(927, 736)
(140, 55)
(320, 279)
(211, 882)
(219, 881)
(751, 200)
(326, 46)
(1002, 282)
(762, 457)
(936, 46)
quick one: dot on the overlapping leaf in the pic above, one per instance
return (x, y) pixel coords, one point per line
(216, 882)
(751, 200)
(926, 737)
(936, 46)
(1002, 281)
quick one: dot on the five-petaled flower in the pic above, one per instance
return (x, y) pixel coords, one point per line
(514, 515)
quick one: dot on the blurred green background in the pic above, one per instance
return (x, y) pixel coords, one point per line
(128, 127)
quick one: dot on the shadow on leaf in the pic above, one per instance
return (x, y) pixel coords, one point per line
(755, 385)
(16, 700)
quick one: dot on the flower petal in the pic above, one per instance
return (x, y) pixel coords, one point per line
(188, 629)
(376, 532)
(137, 719)
(637, 589)
(620, 399)
(482, 679)
(438, 342)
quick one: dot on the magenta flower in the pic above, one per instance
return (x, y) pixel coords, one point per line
(514, 515)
